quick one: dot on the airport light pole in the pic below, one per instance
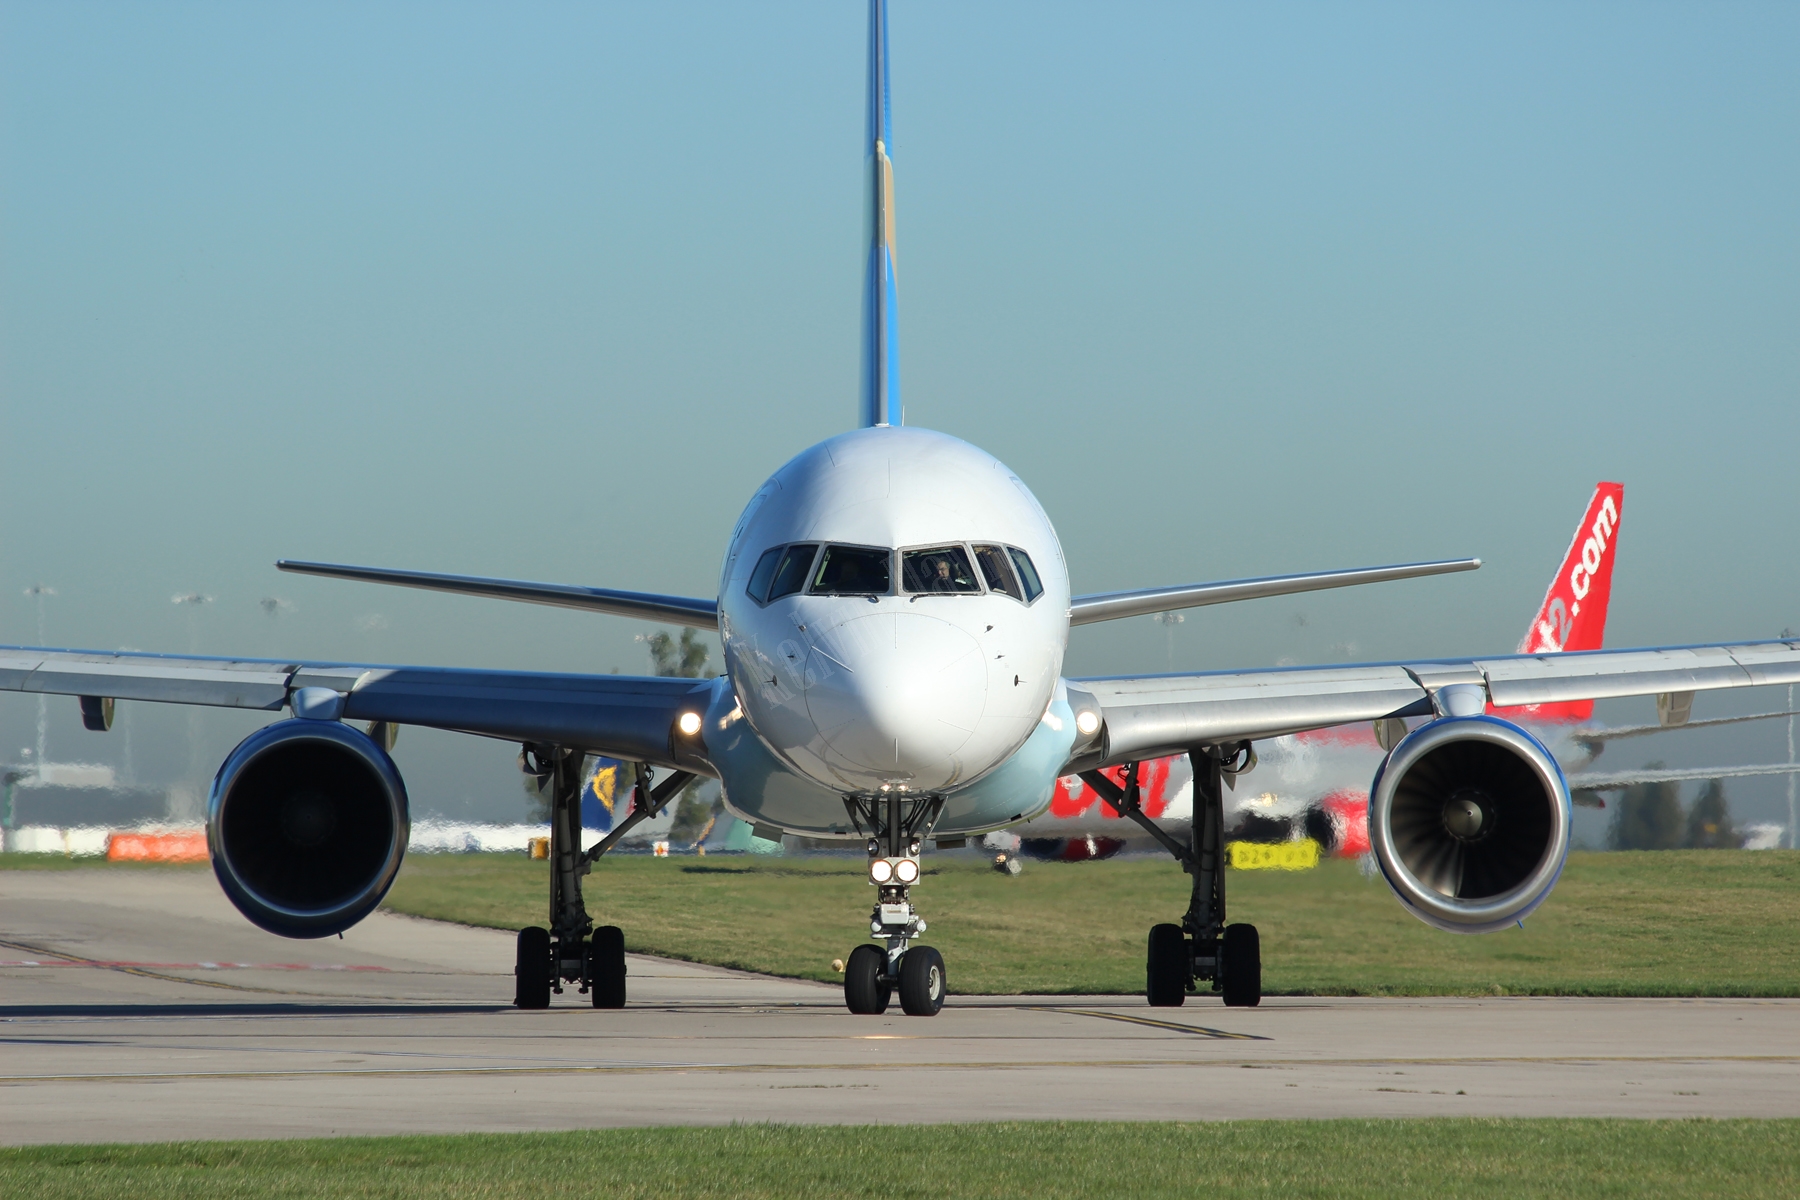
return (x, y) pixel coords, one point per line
(1791, 780)
(1787, 634)
(39, 591)
(1169, 620)
(193, 601)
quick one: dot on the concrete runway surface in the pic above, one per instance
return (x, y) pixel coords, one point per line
(150, 1010)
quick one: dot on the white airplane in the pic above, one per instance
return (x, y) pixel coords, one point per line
(894, 607)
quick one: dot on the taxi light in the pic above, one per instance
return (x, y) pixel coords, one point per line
(907, 871)
(1087, 721)
(881, 870)
(688, 723)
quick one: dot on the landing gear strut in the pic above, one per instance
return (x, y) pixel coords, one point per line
(898, 824)
(1203, 946)
(564, 953)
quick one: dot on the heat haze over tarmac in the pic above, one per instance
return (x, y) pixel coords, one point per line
(152, 1011)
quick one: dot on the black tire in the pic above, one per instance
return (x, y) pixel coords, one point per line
(1168, 968)
(1240, 960)
(921, 982)
(531, 969)
(866, 991)
(606, 967)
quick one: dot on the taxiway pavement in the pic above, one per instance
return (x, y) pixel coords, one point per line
(139, 1006)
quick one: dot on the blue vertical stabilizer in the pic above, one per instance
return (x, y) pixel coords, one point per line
(880, 358)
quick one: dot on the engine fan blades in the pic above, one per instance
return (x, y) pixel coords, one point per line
(1447, 851)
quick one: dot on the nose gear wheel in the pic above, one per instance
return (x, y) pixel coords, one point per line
(897, 824)
(866, 984)
(921, 982)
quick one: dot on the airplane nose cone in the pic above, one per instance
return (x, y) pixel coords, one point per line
(896, 697)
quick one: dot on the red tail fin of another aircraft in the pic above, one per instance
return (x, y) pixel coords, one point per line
(1573, 615)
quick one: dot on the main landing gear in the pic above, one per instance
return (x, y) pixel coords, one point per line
(898, 824)
(565, 953)
(1203, 946)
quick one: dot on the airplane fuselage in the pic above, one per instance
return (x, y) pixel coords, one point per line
(894, 607)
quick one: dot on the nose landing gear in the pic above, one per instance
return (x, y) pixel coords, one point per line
(564, 953)
(1203, 946)
(898, 823)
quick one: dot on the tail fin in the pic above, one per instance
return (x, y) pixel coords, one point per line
(1573, 615)
(881, 358)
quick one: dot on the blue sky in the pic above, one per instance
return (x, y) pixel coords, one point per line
(547, 290)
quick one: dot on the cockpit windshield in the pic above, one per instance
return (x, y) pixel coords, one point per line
(854, 571)
(998, 572)
(780, 572)
(869, 571)
(938, 569)
(1028, 575)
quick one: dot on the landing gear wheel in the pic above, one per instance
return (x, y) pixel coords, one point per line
(1241, 967)
(1167, 968)
(866, 989)
(531, 969)
(606, 967)
(921, 982)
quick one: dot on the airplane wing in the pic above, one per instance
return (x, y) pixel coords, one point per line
(704, 614)
(1146, 716)
(1607, 781)
(676, 610)
(1111, 606)
(624, 716)
(1595, 739)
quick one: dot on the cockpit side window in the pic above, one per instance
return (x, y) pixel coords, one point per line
(938, 569)
(998, 572)
(854, 571)
(790, 572)
(1027, 574)
(764, 575)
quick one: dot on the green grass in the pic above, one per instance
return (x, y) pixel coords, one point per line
(1674, 923)
(1431, 1158)
(65, 862)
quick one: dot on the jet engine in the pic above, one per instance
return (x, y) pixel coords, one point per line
(307, 822)
(1469, 819)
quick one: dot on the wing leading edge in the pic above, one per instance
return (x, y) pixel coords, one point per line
(676, 610)
(1146, 716)
(625, 716)
(1111, 606)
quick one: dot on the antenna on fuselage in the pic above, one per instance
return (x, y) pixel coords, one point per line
(881, 341)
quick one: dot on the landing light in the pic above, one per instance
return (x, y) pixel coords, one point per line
(688, 723)
(1087, 721)
(881, 870)
(907, 871)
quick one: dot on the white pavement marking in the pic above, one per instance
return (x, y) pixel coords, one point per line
(133, 1049)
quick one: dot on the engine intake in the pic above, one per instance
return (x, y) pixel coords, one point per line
(307, 822)
(1469, 819)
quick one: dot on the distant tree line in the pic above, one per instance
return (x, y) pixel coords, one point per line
(1650, 817)
(685, 658)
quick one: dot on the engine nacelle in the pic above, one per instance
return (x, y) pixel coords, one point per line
(307, 823)
(1469, 819)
